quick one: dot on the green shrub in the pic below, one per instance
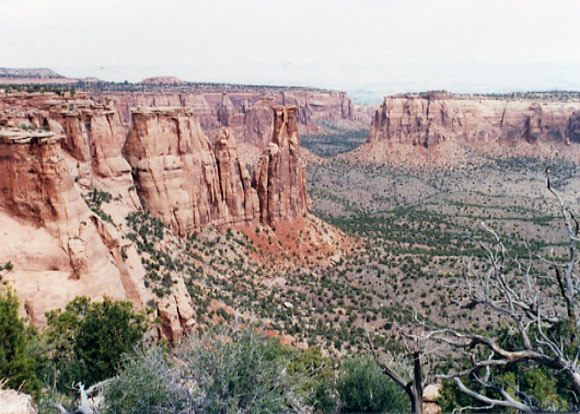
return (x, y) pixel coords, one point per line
(239, 371)
(16, 366)
(146, 384)
(91, 338)
(362, 388)
(223, 371)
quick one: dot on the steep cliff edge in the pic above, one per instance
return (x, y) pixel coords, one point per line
(246, 111)
(445, 125)
(69, 148)
(92, 131)
(57, 245)
(235, 182)
(184, 184)
(174, 168)
(280, 177)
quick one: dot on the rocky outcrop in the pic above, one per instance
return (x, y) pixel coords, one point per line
(432, 119)
(236, 185)
(35, 184)
(574, 128)
(162, 80)
(176, 313)
(280, 177)
(69, 145)
(93, 135)
(174, 168)
(184, 184)
(226, 112)
(259, 123)
(14, 402)
(46, 228)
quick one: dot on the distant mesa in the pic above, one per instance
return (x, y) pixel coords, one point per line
(162, 80)
(42, 76)
(35, 73)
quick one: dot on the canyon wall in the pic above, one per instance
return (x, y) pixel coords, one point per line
(59, 153)
(60, 248)
(248, 113)
(92, 131)
(430, 120)
(236, 184)
(443, 128)
(176, 173)
(187, 186)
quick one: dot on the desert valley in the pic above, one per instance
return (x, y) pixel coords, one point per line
(435, 228)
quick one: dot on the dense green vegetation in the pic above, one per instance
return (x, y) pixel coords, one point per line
(83, 343)
(89, 339)
(242, 371)
(17, 368)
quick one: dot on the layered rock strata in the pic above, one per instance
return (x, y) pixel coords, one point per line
(187, 186)
(242, 110)
(92, 131)
(70, 145)
(235, 183)
(59, 248)
(280, 177)
(174, 168)
(430, 120)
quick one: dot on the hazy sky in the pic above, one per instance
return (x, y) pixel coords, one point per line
(384, 45)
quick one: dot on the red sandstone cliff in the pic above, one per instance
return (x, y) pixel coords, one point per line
(174, 168)
(59, 248)
(92, 131)
(442, 127)
(258, 125)
(246, 112)
(184, 184)
(235, 182)
(429, 120)
(280, 177)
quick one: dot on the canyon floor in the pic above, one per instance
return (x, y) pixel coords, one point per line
(381, 242)
(418, 228)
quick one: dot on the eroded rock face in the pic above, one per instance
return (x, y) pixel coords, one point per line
(176, 313)
(245, 111)
(47, 230)
(259, 123)
(34, 181)
(430, 120)
(174, 168)
(92, 131)
(280, 177)
(61, 249)
(574, 127)
(184, 184)
(236, 185)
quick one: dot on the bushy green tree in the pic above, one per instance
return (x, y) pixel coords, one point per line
(91, 337)
(16, 367)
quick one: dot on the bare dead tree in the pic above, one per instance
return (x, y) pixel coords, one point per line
(537, 299)
(412, 376)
